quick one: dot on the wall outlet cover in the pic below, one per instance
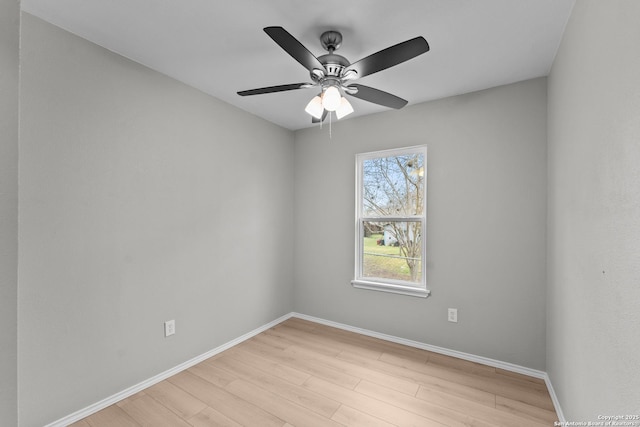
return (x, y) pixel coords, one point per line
(169, 328)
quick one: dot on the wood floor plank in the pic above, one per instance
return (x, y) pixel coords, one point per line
(131, 398)
(295, 393)
(348, 368)
(522, 409)
(353, 418)
(432, 410)
(288, 336)
(177, 400)
(460, 364)
(370, 343)
(301, 324)
(301, 373)
(424, 375)
(475, 410)
(273, 339)
(147, 411)
(458, 390)
(498, 385)
(213, 373)
(522, 377)
(278, 406)
(235, 408)
(488, 379)
(209, 417)
(442, 385)
(290, 360)
(111, 416)
(289, 374)
(374, 407)
(521, 381)
(349, 341)
(336, 343)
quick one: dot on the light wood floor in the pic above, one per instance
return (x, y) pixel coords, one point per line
(304, 374)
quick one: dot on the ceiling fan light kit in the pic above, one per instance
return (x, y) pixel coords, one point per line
(314, 107)
(331, 98)
(344, 109)
(333, 73)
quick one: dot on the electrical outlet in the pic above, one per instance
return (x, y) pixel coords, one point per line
(169, 327)
(453, 315)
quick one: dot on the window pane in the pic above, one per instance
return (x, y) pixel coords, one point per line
(392, 250)
(393, 186)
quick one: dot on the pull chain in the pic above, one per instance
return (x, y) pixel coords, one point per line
(330, 114)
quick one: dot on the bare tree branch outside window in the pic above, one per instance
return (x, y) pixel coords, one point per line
(394, 187)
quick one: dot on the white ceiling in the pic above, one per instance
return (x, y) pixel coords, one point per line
(219, 46)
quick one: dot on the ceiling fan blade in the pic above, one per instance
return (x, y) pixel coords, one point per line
(376, 96)
(294, 48)
(324, 116)
(390, 56)
(271, 89)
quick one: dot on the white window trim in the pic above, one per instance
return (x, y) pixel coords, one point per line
(379, 284)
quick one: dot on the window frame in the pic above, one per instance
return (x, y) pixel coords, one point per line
(382, 284)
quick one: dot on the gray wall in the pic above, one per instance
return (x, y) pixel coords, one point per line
(9, 54)
(141, 200)
(593, 333)
(486, 213)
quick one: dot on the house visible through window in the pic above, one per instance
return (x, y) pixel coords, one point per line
(391, 197)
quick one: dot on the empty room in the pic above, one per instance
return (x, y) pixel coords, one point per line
(351, 213)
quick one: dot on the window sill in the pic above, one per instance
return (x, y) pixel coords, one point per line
(394, 289)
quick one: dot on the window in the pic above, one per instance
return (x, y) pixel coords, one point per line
(391, 201)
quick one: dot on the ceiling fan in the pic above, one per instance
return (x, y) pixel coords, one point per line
(333, 74)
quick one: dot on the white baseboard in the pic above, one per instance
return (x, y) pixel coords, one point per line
(445, 351)
(83, 413)
(77, 416)
(554, 399)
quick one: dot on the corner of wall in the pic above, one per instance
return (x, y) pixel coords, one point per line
(9, 146)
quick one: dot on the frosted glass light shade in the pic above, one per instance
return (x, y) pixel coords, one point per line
(331, 98)
(315, 108)
(344, 109)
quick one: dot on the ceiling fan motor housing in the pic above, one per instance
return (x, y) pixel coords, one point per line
(334, 64)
